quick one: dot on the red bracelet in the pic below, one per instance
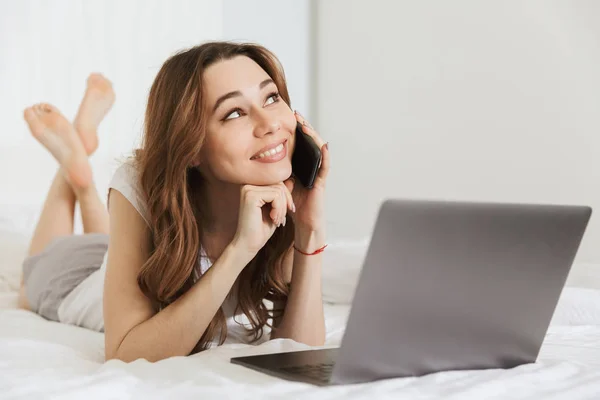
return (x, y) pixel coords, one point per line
(320, 250)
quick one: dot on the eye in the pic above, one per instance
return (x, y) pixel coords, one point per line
(233, 112)
(274, 96)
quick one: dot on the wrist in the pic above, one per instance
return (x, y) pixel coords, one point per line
(239, 254)
(308, 240)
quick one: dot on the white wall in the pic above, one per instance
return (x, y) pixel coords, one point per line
(469, 100)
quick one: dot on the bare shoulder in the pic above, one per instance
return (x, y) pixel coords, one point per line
(122, 212)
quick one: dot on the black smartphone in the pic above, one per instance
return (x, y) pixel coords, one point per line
(306, 159)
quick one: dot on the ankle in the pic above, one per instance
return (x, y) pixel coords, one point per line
(85, 192)
(88, 135)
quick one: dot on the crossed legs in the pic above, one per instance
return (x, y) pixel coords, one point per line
(70, 144)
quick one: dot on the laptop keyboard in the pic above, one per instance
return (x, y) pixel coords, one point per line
(320, 372)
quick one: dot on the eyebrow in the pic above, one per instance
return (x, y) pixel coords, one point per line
(237, 93)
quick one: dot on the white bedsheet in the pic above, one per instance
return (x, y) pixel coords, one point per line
(41, 359)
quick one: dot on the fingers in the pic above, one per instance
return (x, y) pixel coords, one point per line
(325, 156)
(288, 202)
(309, 130)
(290, 183)
(278, 196)
(258, 196)
(278, 207)
(325, 163)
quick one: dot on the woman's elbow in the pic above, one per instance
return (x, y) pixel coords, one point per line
(116, 355)
(121, 354)
(125, 357)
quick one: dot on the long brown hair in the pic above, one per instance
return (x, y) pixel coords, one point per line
(174, 132)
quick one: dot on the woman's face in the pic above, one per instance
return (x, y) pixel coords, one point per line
(250, 129)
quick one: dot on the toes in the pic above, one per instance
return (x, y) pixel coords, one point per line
(94, 77)
(47, 108)
(39, 110)
(43, 108)
(31, 116)
(97, 80)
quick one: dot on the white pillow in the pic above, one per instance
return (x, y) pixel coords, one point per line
(342, 263)
(577, 306)
(17, 221)
(13, 249)
(584, 275)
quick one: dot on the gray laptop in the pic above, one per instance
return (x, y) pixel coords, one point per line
(447, 286)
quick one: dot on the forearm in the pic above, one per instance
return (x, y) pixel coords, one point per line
(303, 319)
(175, 330)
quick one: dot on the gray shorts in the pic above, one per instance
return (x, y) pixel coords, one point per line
(52, 274)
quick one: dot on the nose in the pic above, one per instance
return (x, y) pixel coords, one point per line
(266, 124)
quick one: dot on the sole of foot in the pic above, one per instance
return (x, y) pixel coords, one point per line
(56, 134)
(97, 101)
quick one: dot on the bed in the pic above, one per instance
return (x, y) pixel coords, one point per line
(41, 359)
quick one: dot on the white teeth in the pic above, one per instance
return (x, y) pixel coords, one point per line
(271, 152)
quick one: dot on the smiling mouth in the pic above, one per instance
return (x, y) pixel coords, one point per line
(271, 152)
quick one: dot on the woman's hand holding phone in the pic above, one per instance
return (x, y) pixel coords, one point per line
(309, 216)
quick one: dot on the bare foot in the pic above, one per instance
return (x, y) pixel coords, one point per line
(97, 101)
(57, 134)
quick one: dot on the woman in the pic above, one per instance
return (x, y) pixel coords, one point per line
(206, 222)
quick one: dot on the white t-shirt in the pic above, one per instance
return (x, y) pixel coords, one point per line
(83, 306)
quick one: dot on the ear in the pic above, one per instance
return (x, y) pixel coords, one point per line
(197, 160)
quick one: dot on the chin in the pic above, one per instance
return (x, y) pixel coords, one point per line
(271, 177)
